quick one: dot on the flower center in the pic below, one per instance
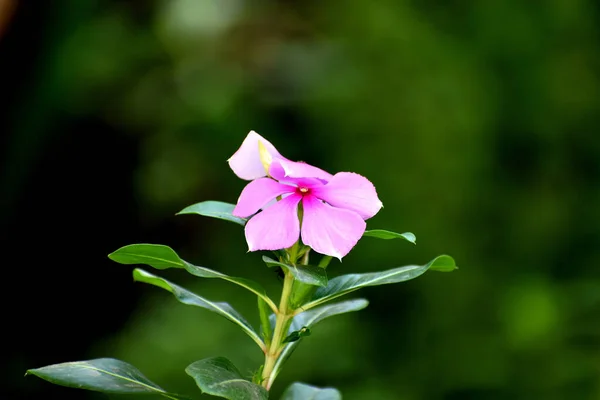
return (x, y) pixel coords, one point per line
(303, 190)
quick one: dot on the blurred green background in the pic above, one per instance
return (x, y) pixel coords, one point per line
(477, 122)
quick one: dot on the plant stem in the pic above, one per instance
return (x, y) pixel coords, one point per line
(282, 323)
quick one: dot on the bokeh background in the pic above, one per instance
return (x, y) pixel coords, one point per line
(478, 122)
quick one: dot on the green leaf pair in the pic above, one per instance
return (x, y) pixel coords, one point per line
(215, 376)
(161, 257)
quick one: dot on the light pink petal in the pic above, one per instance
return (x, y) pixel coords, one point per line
(351, 191)
(246, 163)
(329, 230)
(257, 194)
(275, 228)
(282, 168)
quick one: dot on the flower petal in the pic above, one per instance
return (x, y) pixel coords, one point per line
(329, 230)
(246, 162)
(257, 194)
(282, 168)
(351, 191)
(275, 228)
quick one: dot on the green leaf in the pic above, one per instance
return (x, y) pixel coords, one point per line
(302, 391)
(155, 255)
(215, 209)
(257, 375)
(187, 297)
(301, 293)
(309, 319)
(348, 283)
(217, 376)
(442, 264)
(297, 335)
(247, 284)
(263, 313)
(102, 375)
(162, 257)
(308, 274)
(312, 317)
(383, 234)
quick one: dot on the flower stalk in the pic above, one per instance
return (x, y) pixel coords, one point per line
(283, 319)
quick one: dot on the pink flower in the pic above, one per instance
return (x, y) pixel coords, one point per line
(335, 207)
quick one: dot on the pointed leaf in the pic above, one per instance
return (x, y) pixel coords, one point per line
(309, 319)
(247, 284)
(383, 234)
(348, 283)
(312, 317)
(155, 255)
(215, 209)
(302, 391)
(162, 257)
(217, 376)
(308, 274)
(106, 375)
(187, 297)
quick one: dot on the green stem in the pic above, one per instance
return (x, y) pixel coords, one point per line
(293, 253)
(282, 323)
(305, 257)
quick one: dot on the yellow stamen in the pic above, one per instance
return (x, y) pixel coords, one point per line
(303, 190)
(265, 157)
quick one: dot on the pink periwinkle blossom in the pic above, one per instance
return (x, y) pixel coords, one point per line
(335, 207)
